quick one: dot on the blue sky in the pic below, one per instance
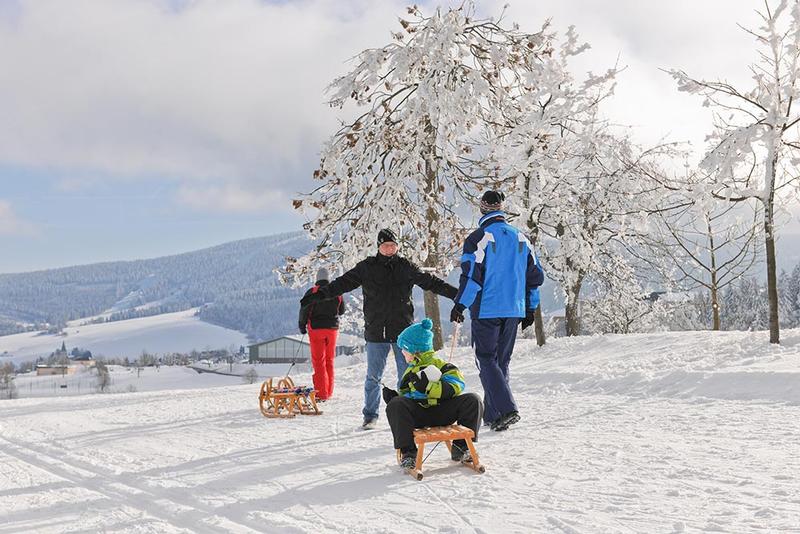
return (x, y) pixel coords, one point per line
(115, 220)
(140, 128)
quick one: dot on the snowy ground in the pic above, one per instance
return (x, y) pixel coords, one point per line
(648, 433)
(158, 334)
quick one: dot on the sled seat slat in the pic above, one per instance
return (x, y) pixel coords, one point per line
(448, 434)
(442, 433)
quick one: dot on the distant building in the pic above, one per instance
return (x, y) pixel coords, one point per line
(349, 344)
(294, 348)
(55, 370)
(84, 359)
(285, 349)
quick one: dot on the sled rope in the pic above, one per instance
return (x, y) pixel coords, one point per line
(433, 449)
(294, 360)
(453, 344)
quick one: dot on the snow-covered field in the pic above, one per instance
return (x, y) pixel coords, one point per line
(678, 432)
(169, 332)
(131, 379)
(122, 379)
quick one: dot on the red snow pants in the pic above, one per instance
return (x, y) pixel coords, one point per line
(323, 350)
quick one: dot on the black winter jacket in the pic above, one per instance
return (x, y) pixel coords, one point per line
(386, 283)
(322, 314)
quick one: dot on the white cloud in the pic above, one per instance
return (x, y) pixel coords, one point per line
(225, 91)
(232, 198)
(12, 225)
(228, 95)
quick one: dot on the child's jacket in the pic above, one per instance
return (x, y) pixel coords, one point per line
(450, 384)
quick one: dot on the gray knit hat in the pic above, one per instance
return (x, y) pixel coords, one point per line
(322, 274)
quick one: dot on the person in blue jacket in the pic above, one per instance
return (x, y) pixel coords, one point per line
(500, 277)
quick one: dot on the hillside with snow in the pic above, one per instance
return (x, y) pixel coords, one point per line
(160, 334)
(674, 432)
(231, 283)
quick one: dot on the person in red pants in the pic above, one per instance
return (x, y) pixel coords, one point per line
(320, 320)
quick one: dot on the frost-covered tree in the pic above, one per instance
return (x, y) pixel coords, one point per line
(352, 322)
(703, 245)
(618, 304)
(755, 143)
(745, 305)
(250, 376)
(103, 376)
(789, 285)
(590, 194)
(539, 132)
(422, 111)
(8, 390)
(580, 186)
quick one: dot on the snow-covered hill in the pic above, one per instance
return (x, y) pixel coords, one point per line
(233, 282)
(643, 433)
(159, 334)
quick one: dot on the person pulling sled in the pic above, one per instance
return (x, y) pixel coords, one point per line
(320, 320)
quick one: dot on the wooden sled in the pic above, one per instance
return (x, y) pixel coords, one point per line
(447, 434)
(286, 399)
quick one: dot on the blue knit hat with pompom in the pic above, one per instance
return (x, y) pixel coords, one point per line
(417, 338)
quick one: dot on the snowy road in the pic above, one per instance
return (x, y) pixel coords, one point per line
(207, 461)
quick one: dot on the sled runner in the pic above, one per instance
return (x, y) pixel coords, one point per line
(287, 400)
(447, 434)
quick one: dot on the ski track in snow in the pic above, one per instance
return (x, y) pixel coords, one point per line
(613, 439)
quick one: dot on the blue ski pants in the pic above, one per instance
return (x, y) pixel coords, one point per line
(493, 340)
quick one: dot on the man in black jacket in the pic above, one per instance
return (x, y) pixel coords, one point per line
(386, 281)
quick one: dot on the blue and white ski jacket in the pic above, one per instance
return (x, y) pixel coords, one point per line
(500, 274)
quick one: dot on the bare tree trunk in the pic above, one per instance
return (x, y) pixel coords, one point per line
(538, 326)
(772, 276)
(715, 322)
(714, 288)
(432, 218)
(533, 234)
(432, 311)
(572, 318)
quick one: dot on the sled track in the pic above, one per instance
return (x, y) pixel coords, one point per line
(182, 513)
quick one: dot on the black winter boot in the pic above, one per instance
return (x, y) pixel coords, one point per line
(460, 452)
(408, 459)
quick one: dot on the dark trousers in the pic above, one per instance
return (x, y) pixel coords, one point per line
(493, 340)
(405, 415)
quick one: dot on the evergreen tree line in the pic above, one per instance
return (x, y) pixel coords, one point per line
(744, 306)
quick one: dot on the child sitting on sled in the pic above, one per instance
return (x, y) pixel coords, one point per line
(430, 395)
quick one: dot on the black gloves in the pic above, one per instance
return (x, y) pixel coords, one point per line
(457, 313)
(528, 320)
(311, 298)
(303, 329)
(419, 381)
(388, 394)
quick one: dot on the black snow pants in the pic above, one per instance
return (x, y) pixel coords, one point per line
(405, 415)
